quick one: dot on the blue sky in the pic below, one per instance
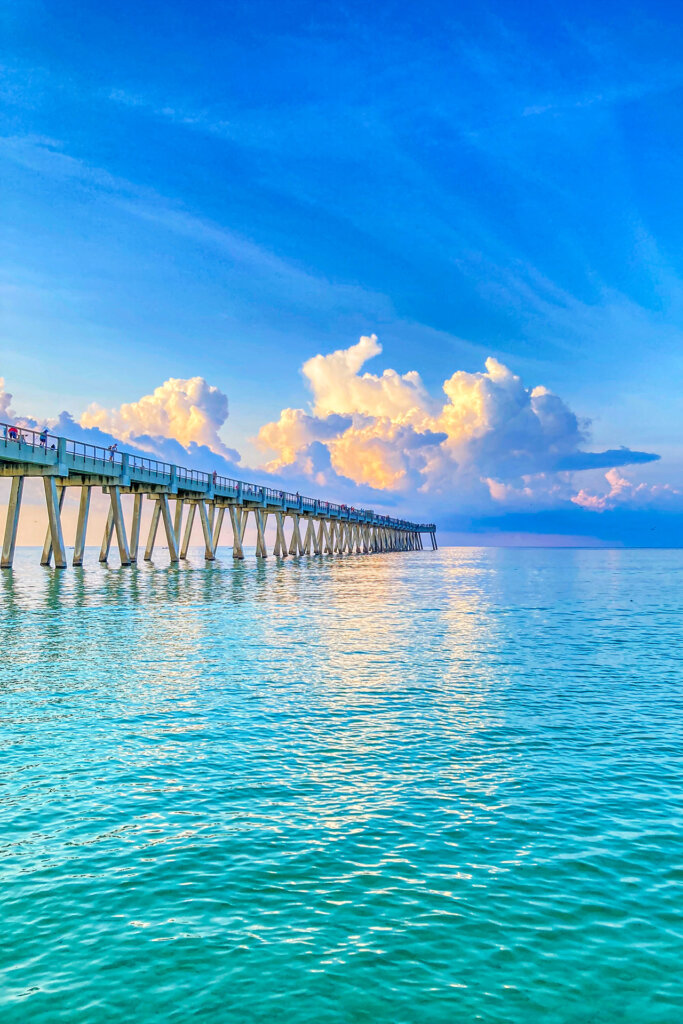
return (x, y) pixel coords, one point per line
(227, 191)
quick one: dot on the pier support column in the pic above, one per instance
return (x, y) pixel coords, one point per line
(168, 527)
(153, 527)
(191, 512)
(135, 527)
(317, 538)
(60, 492)
(280, 549)
(120, 526)
(237, 529)
(12, 522)
(54, 503)
(209, 550)
(308, 539)
(106, 539)
(217, 527)
(178, 520)
(261, 518)
(295, 545)
(82, 524)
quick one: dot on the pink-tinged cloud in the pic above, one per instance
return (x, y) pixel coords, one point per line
(492, 440)
(489, 442)
(623, 492)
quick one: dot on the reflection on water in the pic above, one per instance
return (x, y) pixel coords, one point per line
(412, 787)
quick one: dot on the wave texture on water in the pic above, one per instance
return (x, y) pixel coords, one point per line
(418, 787)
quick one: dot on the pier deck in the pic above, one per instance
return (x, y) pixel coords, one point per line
(329, 528)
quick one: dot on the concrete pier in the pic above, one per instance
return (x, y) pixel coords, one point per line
(315, 527)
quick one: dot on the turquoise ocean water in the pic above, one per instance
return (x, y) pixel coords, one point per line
(419, 787)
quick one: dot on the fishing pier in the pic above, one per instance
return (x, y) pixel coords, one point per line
(179, 495)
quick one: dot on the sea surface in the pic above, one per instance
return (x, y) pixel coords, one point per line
(409, 787)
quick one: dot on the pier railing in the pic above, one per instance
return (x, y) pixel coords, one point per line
(19, 443)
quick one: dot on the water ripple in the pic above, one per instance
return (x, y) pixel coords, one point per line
(418, 787)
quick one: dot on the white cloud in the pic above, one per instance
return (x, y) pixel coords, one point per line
(6, 412)
(491, 442)
(188, 411)
(493, 439)
(623, 492)
(338, 386)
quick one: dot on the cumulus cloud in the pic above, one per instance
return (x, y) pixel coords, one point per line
(295, 432)
(492, 439)
(188, 411)
(623, 492)
(338, 387)
(6, 412)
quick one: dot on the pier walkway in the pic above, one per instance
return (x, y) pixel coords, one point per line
(327, 528)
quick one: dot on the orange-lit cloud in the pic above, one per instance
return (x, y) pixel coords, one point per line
(492, 438)
(188, 411)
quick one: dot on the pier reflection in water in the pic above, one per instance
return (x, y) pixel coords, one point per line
(337, 789)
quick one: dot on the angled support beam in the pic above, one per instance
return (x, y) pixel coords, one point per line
(119, 524)
(295, 545)
(54, 503)
(135, 527)
(153, 527)
(327, 539)
(280, 549)
(11, 523)
(178, 520)
(317, 538)
(237, 531)
(209, 551)
(106, 539)
(82, 524)
(168, 527)
(261, 520)
(46, 556)
(217, 527)
(191, 511)
(308, 539)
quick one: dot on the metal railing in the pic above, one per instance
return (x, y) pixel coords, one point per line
(27, 436)
(15, 437)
